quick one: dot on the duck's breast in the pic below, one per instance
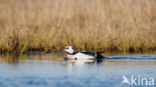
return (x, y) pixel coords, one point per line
(70, 56)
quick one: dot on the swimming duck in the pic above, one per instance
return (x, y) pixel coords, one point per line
(82, 55)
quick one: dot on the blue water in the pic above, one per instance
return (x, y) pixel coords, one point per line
(50, 71)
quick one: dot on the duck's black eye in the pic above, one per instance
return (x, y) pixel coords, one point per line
(67, 47)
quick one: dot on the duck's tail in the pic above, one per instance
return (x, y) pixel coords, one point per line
(99, 55)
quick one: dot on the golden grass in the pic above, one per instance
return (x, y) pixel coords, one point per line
(85, 24)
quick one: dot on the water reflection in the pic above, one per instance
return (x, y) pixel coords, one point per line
(53, 59)
(15, 59)
(82, 62)
(10, 59)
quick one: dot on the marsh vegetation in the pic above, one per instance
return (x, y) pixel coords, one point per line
(122, 25)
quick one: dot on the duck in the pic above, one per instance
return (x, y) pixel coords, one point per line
(81, 55)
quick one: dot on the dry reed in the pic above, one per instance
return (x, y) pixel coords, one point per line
(123, 25)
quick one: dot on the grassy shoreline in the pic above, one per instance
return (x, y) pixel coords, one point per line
(105, 25)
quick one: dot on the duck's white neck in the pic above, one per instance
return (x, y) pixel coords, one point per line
(71, 52)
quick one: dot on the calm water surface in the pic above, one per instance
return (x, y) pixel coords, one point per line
(48, 70)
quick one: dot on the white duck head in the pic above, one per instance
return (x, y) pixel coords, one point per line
(69, 50)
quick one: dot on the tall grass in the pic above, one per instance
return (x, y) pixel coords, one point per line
(123, 25)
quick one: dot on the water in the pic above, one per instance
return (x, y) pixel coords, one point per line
(48, 70)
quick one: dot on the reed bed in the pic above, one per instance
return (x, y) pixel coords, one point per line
(107, 25)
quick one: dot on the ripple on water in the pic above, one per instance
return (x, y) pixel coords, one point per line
(29, 72)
